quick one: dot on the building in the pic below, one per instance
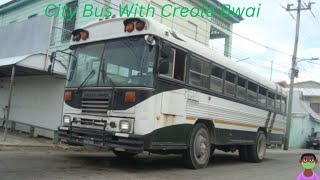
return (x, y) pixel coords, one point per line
(28, 32)
(305, 113)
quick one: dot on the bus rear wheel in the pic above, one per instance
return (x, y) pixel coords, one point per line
(124, 155)
(257, 151)
(198, 154)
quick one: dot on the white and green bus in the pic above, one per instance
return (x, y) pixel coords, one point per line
(136, 85)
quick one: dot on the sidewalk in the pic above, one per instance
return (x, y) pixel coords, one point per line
(19, 141)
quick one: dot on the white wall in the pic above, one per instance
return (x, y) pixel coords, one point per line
(37, 100)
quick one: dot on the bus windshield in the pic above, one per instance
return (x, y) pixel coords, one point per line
(121, 62)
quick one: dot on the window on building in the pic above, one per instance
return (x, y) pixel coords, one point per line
(32, 16)
(229, 85)
(270, 100)
(177, 64)
(262, 98)
(315, 107)
(54, 24)
(241, 88)
(192, 30)
(199, 72)
(216, 79)
(252, 92)
(157, 14)
(69, 25)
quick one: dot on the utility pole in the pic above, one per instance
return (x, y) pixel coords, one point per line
(293, 72)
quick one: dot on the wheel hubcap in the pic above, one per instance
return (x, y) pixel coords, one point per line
(261, 147)
(201, 147)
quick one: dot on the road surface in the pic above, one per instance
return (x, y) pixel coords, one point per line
(278, 165)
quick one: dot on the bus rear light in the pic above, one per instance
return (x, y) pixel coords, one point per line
(129, 27)
(140, 25)
(130, 97)
(68, 95)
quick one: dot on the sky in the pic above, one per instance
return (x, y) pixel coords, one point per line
(275, 28)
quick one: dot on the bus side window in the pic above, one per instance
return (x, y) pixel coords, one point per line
(284, 105)
(199, 72)
(177, 64)
(180, 65)
(171, 64)
(262, 99)
(270, 100)
(252, 92)
(229, 86)
(278, 103)
(216, 79)
(241, 88)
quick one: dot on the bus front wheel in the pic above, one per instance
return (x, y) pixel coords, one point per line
(198, 154)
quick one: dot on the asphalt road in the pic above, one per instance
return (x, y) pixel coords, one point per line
(278, 165)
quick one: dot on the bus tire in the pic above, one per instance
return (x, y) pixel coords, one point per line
(198, 154)
(257, 151)
(124, 155)
(243, 153)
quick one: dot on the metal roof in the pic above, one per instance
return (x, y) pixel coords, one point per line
(28, 65)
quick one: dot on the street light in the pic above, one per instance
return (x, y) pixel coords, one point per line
(312, 59)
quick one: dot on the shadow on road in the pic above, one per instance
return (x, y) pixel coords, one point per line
(145, 162)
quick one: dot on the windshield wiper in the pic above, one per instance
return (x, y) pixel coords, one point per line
(83, 83)
(105, 75)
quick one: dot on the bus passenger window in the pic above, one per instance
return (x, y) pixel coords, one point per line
(284, 105)
(230, 87)
(262, 99)
(241, 88)
(180, 65)
(270, 101)
(278, 103)
(216, 79)
(171, 64)
(199, 73)
(252, 92)
(177, 64)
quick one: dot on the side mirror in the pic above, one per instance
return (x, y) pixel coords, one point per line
(53, 57)
(52, 60)
(164, 66)
(165, 50)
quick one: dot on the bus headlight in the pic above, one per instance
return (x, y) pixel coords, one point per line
(125, 126)
(66, 119)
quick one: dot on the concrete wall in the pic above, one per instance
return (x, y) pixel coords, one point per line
(302, 122)
(37, 100)
(301, 126)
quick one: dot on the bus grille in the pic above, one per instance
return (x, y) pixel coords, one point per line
(95, 106)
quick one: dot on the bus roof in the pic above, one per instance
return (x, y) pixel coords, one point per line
(160, 30)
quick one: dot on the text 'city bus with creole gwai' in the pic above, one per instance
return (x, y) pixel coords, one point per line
(135, 85)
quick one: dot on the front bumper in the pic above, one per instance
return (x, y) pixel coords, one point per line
(102, 138)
